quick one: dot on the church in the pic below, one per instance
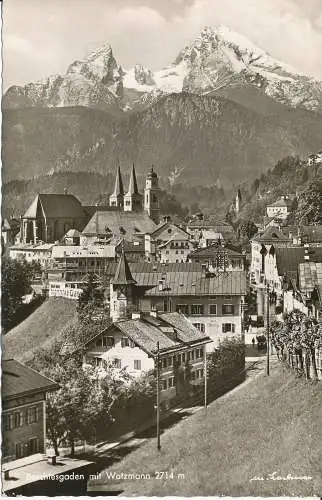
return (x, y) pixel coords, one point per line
(51, 216)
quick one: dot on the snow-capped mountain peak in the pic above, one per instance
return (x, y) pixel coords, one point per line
(218, 61)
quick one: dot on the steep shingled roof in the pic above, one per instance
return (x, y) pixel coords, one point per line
(18, 379)
(133, 186)
(171, 330)
(118, 187)
(125, 224)
(123, 274)
(55, 205)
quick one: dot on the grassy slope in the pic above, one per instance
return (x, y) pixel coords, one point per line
(271, 424)
(39, 329)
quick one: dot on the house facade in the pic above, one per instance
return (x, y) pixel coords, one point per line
(23, 410)
(168, 243)
(137, 342)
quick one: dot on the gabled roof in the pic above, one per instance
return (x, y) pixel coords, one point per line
(18, 380)
(123, 274)
(271, 235)
(171, 330)
(212, 251)
(282, 202)
(125, 224)
(72, 233)
(175, 231)
(55, 205)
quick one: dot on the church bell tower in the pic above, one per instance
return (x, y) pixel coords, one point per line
(152, 196)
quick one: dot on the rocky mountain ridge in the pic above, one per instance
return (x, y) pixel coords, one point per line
(218, 62)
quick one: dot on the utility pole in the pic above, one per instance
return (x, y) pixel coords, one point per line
(267, 333)
(158, 396)
(205, 375)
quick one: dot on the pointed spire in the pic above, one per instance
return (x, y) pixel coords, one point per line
(123, 275)
(133, 186)
(118, 188)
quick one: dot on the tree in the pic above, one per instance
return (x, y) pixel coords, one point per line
(310, 204)
(246, 229)
(15, 283)
(80, 406)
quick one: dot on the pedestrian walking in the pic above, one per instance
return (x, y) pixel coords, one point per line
(253, 342)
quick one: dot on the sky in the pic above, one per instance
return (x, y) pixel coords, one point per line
(42, 37)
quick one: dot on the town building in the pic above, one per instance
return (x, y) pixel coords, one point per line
(23, 410)
(199, 224)
(168, 243)
(260, 246)
(32, 252)
(136, 341)
(105, 225)
(220, 257)
(280, 208)
(50, 216)
(70, 266)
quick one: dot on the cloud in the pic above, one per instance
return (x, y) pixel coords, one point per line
(139, 18)
(48, 36)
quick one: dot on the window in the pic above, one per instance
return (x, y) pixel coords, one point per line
(107, 341)
(228, 310)
(125, 342)
(171, 382)
(137, 364)
(192, 355)
(199, 353)
(213, 309)
(17, 420)
(8, 422)
(33, 446)
(228, 328)
(197, 309)
(199, 326)
(163, 385)
(32, 415)
(127, 203)
(117, 363)
(20, 450)
(183, 308)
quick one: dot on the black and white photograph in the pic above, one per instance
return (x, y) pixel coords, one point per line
(161, 248)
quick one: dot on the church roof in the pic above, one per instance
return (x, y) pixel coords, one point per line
(118, 187)
(125, 224)
(123, 275)
(133, 186)
(55, 205)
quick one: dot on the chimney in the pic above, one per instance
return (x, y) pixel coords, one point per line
(162, 284)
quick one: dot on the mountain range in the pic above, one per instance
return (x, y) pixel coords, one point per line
(217, 62)
(223, 110)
